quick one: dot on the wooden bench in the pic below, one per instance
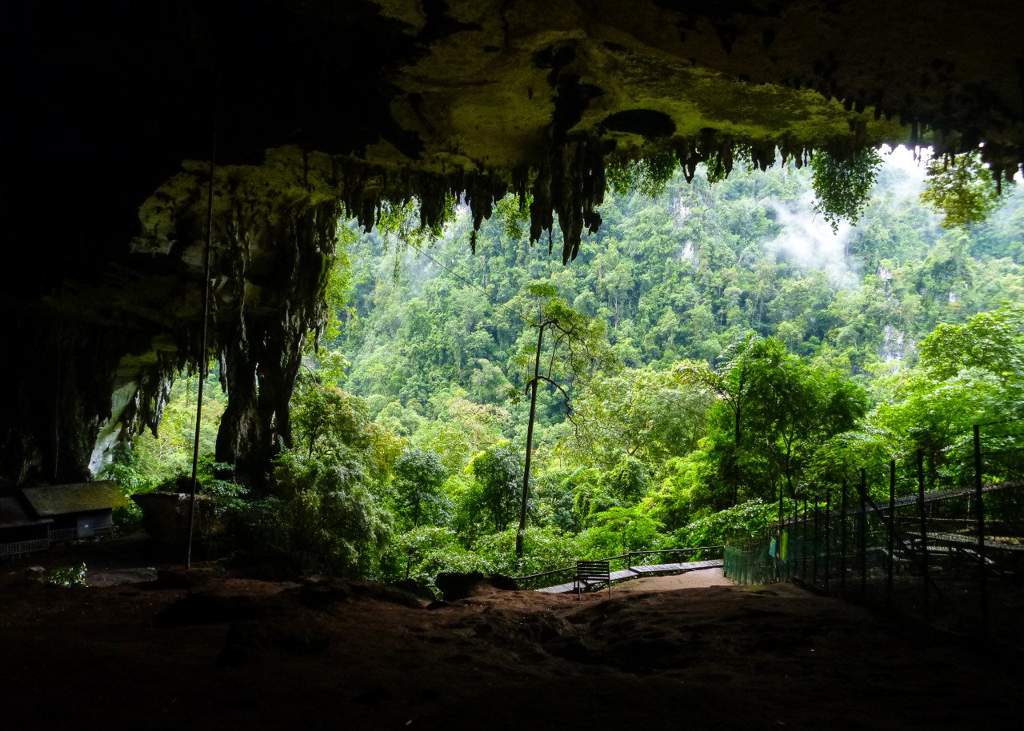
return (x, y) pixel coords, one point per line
(592, 573)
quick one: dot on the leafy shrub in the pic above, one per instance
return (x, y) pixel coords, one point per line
(426, 551)
(227, 497)
(620, 529)
(543, 548)
(321, 517)
(260, 527)
(740, 522)
(68, 576)
(127, 518)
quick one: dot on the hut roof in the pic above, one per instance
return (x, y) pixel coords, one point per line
(81, 497)
(14, 515)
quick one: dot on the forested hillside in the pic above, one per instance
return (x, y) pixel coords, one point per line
(712, 347)
(683, 275)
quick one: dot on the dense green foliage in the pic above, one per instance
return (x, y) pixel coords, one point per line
(962, 188)
(843, 184)
(718, 347)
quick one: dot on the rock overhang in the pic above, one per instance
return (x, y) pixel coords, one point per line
(318, 106)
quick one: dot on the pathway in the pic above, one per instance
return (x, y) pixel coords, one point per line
(635, 572)
(702, 579)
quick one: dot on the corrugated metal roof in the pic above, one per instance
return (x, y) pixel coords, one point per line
(14, 515)
(52, 500)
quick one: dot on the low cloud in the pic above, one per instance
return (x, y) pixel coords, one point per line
(808, 241)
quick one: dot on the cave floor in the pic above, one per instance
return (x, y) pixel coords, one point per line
(240, 653)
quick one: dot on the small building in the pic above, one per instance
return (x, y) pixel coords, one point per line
(78, 510)
(21, 532)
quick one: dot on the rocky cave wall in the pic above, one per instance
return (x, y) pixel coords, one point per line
(95, 362)
(322, 108)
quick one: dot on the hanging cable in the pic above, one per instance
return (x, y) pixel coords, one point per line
(204, 360)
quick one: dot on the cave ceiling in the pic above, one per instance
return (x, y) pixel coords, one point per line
(317, 108)
(117, 95)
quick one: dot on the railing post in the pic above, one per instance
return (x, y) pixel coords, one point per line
(924, 533)
(794, 548)
(980, 516)
(828, 541)
(863, 531)
(817, 549)
(842, 540)
(892, 532)
(781, 519)
(778, 543)
(803, 544)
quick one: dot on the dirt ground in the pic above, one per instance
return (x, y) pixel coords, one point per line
(232, 653)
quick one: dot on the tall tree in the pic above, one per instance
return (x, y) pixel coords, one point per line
(576, 348)
(419, 475)
(730, 381)
(652, 415)
(497, 472)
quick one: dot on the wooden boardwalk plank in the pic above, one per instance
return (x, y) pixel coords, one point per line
(664, 569)
(623, 575)
(677, 568)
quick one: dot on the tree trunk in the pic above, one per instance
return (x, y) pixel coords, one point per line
(737, 436)
(521, 533)
(738, 432)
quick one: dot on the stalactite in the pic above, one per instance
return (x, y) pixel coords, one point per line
(540, 207)
(570, 185)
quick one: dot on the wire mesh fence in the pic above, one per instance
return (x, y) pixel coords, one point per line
(938, 536)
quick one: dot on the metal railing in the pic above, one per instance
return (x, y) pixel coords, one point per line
(952, 555)
(63, 535)
(18, 548)
(35, 545)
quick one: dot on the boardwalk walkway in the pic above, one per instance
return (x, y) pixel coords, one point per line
(636, 572)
